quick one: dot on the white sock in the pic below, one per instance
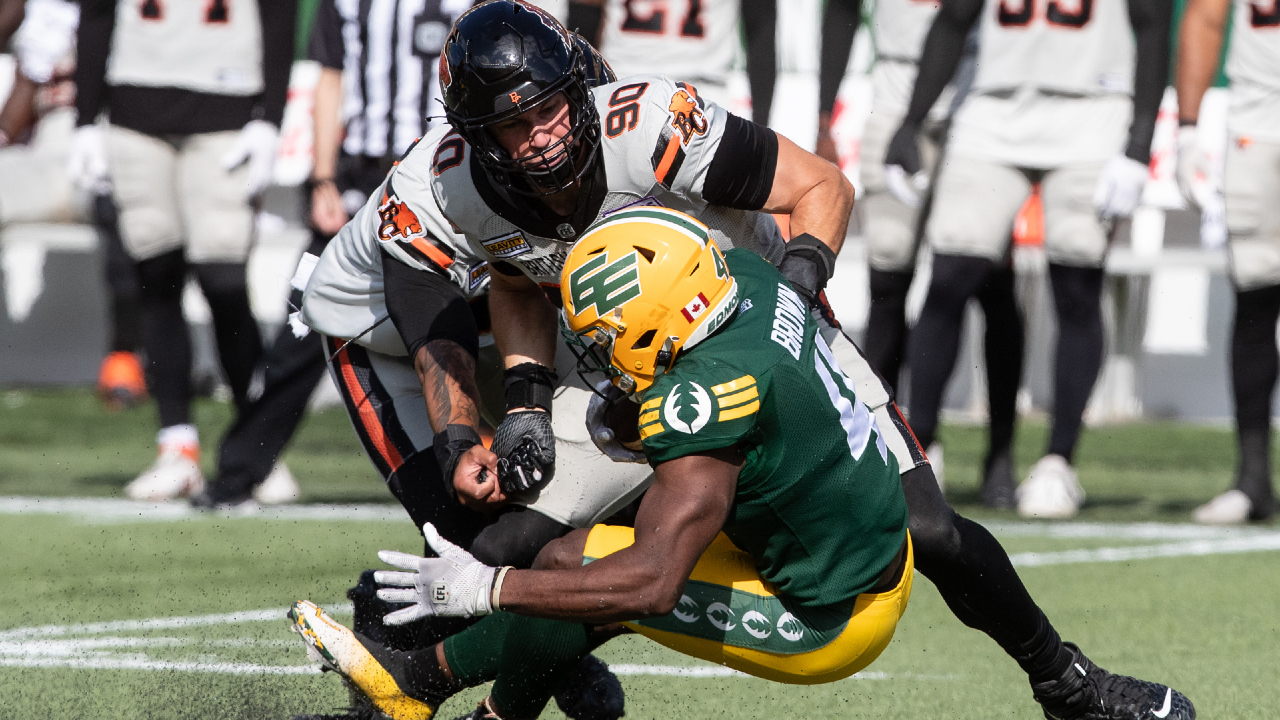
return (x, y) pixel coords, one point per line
(178, 435)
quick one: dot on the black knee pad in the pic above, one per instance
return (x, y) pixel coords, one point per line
(516, 538)
(162, 277)
(932, 522)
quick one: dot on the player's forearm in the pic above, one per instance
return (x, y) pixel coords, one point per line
(327, 123)
(18, 114)
(11, 14)
(1199, 47)
(93, 43)
(943, 48)
(839, 26)
(817, 196)
(447, 373)
(523, 323)
(605, 591)
(279, 19)
(1150, 20)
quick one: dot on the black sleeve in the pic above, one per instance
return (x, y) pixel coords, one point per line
(279, 25)
(759, 25)
(741, 173)
(93, 43)
(1151, 20)
(943, 48)
(839, 26)
(325, 46)
(425, 306)
(586, 19)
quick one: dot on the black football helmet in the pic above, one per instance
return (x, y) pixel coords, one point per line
(504, 57)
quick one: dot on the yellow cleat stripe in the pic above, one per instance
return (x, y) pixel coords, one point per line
(740, 384)
(740, 411)
(738, 398)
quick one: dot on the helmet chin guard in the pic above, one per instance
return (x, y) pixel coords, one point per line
(504, 58)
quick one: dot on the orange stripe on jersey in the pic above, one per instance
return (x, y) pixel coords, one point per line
(368, 417)
(668, 157)
(425, 247)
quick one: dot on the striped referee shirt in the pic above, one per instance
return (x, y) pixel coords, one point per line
(387, 51)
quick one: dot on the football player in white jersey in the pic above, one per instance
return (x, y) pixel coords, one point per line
(550, 156)
(694, 40)
(892, 217)
(1066, 94)
(194, 94)
(1252, 192)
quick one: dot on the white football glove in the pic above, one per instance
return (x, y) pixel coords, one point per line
(909, 189)
(1120, 187)
(452, 585)
(602, 434)
(87, 160)
(1196, 178)
(256, 145)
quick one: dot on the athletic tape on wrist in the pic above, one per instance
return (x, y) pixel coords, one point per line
(529, 385)
(808, 264)
(497, 587)
(449, 447)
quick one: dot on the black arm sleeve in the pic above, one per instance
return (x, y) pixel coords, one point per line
(1151, 20)
(425, 306)
(586, 19)
(741, 173)
(325, 45)
(943, 48)
(93, 43)
(279, 25)
(839, 26)
(759, 24)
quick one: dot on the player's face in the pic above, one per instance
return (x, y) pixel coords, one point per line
(527, 135)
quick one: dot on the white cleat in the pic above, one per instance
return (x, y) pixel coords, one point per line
(280, 488)
(934, 453)
(339, 650)
(1051, 490)
(174, 474)
(1230, 508)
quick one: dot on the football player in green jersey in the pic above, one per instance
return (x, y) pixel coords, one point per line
(774, 538)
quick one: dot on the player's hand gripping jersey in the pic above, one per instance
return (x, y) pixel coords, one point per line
(658, 140)
(344, 297)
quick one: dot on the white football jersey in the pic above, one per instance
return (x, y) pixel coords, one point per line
(694, 40)
(1077, 47)
(211, 47)
(898, 29)
(658, 138)
(1253, 64)
(344, 296)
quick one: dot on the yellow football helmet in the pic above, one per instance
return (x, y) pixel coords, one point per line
(640, 286)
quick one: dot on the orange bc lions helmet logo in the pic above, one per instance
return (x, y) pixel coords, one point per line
(397, 221)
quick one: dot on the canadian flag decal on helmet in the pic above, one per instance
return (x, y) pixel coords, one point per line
(695, 308)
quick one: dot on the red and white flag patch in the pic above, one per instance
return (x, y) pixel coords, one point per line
(696, 307)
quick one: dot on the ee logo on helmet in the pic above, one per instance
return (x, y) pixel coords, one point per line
(604, 284)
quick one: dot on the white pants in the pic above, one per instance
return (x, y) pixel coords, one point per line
(889, 225)
(173, 192)
(1253, 212)
(976, 201)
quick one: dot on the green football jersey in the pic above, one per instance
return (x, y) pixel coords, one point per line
(819, 503)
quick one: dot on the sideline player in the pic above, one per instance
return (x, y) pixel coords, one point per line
(893, 227)
(694, 40)
(748, 400)
(194, 93)
(649, 140)
(1056, 88)
(1253, 221)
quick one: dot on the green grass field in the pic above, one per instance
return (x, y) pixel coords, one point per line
(119, 613)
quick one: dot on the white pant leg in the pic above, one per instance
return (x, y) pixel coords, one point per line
(1073, 235)
(216, 209)
(974, 206)
(142, 171)
(1253, 212)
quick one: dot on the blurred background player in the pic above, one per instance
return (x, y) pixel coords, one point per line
(696, 41)
(1252, 192)
(35, 133)
(378, 63)
(1056, 88)
(893, 218)
(194, 93)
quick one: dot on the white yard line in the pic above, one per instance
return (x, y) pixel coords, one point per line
(1230, 546)
(165, 623)
(115, 510)
(144, 663)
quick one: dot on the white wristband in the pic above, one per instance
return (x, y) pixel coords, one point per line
(497, 587)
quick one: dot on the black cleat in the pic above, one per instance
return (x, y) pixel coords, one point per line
(998, 484)
(591, 692)
(1087, 692)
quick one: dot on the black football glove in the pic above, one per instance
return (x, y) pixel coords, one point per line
(807, 264)
(904, 149)
(526, 450)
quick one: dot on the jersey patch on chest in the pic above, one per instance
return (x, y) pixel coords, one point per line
(507, 246)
